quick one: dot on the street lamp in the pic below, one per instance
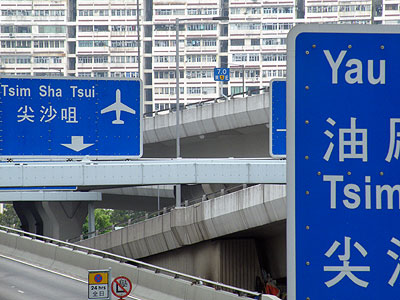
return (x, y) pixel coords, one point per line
(177, 75)
(242, 66)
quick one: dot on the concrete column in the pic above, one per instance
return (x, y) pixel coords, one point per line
(29, 216)
(91, 220)
(63, 219)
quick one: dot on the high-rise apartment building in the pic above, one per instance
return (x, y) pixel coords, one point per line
(100, 38)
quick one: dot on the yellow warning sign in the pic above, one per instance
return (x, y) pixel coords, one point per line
(98, 278)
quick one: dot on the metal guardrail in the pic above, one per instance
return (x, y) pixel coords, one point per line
(139, 264)
(157, 213)
(207, 101)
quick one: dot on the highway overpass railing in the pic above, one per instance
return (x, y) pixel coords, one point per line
(207, 101)
(149, 281)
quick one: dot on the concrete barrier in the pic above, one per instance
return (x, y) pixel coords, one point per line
(149, 282)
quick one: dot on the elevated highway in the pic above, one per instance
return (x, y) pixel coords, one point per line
(71, 261)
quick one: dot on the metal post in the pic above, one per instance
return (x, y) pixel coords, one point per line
(178, 145)
(91, 220)
(243, 79)
(138, 33)
(158, 198)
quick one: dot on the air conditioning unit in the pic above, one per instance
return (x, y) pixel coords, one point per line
(11, 35)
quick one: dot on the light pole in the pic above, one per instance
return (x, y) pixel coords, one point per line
(177, 75)
(242, 66)
(138, 34)
(178, 140)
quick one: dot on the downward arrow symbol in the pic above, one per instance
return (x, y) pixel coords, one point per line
(77, 144)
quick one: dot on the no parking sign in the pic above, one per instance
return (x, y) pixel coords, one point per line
(121, 287)
(99, 285)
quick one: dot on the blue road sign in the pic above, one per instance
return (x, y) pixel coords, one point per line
(221, 74)
(343, 162)
(277, 128)
(67, 118)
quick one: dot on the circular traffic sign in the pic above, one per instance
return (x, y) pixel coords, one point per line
(98, 278)
(121, 287)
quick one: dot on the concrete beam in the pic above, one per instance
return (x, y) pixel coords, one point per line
(49, 196)
(141, 172)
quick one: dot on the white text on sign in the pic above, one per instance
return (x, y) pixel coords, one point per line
(354, 73)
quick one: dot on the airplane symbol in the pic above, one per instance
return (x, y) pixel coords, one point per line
(117, 106)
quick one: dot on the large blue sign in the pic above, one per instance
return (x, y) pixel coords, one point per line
(58, 118)
(277, 128)
(343, 162)
(221, 74)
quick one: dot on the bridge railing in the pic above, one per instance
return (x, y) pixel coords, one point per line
(207, 101)
(193, 280)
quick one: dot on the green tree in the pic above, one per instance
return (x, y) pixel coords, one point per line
(9, 217)
(102, 221)
(121, 216)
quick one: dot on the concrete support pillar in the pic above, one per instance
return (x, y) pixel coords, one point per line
(59, 219)
(63, 219)
(29, 216)
(91, 220)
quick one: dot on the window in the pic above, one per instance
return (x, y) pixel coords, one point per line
(16, 29)
(85, 44)
(85, 28)
(100, 74)
(237, 42)
(100, 59)
(84, 74)
(100, 43)
(41, 60)
(255, 42)
(209, 42)
(16, 44)
(52, 29)
(15, 59)
(239, 57)
(254, 57)
(123, 44)
(201, 27)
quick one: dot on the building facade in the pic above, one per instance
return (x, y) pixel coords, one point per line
(104, 38)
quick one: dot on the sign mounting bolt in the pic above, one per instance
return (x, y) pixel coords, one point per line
(307, 192)
(349, 46)
(307, 122)
(382, 47)
(307, 87)
(319, 173)
(306, 157)
(314, 46)
(307, 263)
(307, 52)
(348, 173)
(381, 173)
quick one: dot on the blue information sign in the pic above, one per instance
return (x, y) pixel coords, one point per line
(343, 162)
(277, 128)
(221, 74)
(67, 118)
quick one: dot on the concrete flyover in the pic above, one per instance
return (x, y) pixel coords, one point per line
(232, 128)
(260, 207)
